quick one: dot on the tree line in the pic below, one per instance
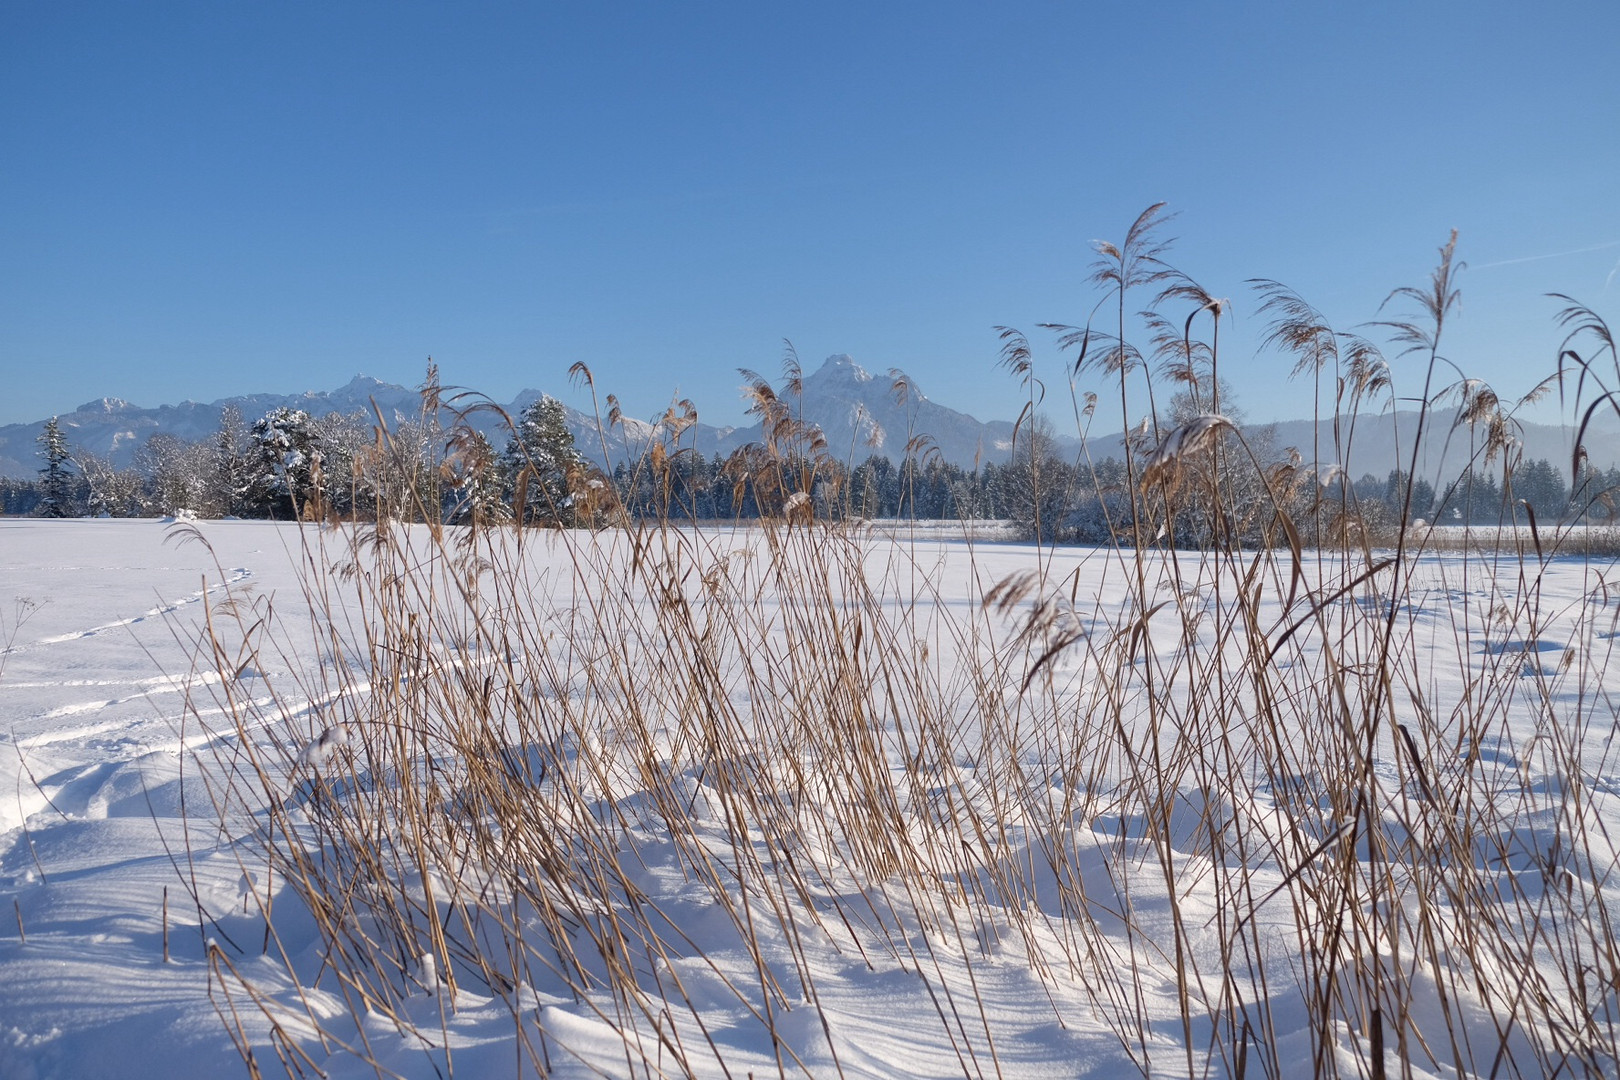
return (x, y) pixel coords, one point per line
(289, 464)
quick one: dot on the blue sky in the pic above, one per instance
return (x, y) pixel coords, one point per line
(220, 198)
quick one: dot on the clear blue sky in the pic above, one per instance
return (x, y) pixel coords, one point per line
(199, 200)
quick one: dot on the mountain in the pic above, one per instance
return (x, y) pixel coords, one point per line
(115, 429)
(862, 414)
(833, 397)
(1382, 440)
(859, 413)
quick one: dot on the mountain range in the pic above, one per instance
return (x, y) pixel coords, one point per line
(859, 413)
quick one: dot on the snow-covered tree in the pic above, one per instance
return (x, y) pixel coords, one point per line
(284, 451)
(337, 476)
(230, 485)
(176, 474)
(385, 473)
(540, 462)
(1036, 486)
(471, 473)
(311, 468)
(113, 492)
(55, 481)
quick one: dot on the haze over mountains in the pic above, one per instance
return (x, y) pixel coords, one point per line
(859, 412)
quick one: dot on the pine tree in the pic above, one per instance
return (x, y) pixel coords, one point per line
(471, 473)
(1541, 485)
(231, 483)
(284, 458)
(55, 482)
(541, 462)
(1036, 486)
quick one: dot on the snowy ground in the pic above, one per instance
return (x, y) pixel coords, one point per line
(108, 843)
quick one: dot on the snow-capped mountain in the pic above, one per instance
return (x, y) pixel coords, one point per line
(860, 413)
(857, 411)
(114, 428)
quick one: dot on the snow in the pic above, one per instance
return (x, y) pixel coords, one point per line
(117, 743)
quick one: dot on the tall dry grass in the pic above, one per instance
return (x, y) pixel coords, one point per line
(531, 767)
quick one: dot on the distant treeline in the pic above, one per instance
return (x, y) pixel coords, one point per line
(291, 465)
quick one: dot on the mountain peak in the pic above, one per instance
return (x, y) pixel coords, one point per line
(105, 405)
(359, 388)
(842, 366)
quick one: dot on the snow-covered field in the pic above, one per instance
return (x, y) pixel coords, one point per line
(788, 803)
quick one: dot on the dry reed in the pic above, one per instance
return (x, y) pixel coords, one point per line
(1234, 769)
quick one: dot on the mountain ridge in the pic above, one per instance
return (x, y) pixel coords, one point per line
(860, 413)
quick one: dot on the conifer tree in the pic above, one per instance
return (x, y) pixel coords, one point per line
(285, 452)
(55, 482)
(232, 481)
(540, 462)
